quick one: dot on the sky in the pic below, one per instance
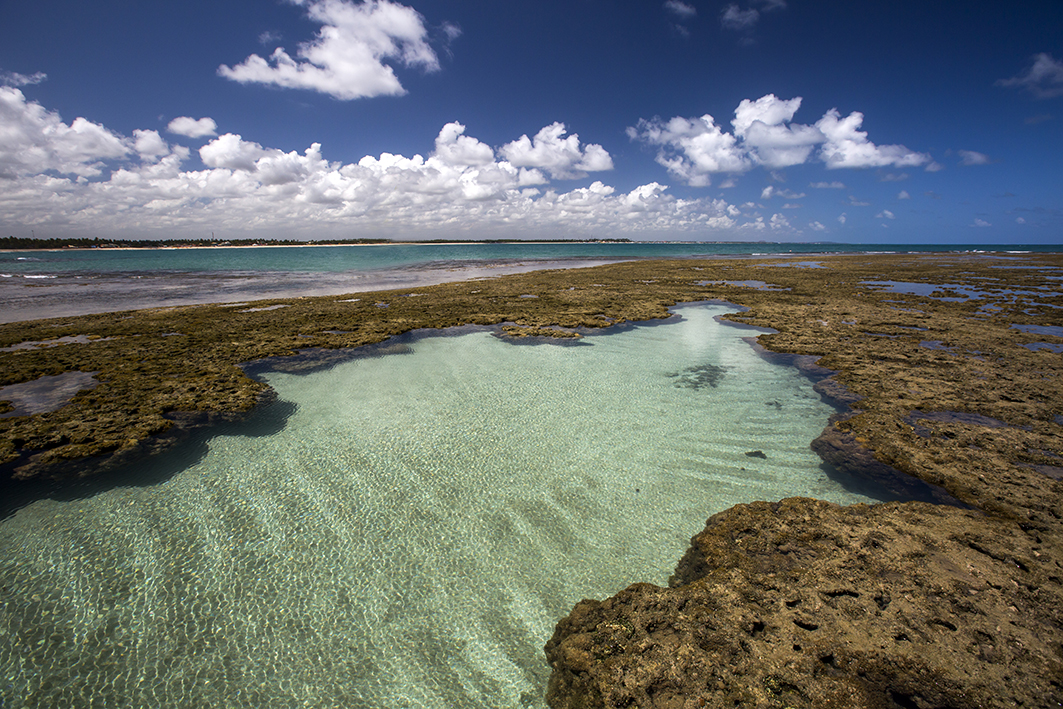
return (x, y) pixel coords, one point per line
(688, 120)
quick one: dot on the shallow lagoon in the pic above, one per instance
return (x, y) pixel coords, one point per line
(409, 529)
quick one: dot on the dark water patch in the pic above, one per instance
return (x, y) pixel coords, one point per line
(1050, 330)
(1034, 346)
(847, 462)
(797, 264)
(952, 417)
(1051, 471)
(48, 393)
(757, 285)
(935, 345)
(67, 340)
(698, 377)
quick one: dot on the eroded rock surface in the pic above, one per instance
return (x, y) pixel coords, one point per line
(801, 603)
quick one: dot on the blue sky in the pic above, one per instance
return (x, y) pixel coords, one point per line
(777, 120)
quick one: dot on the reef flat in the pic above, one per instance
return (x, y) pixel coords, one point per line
(952, 367)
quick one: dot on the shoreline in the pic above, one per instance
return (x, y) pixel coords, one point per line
(800, 601)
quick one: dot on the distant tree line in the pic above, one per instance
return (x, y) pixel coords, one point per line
(13, 243)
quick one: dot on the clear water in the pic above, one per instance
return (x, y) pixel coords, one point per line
(412, 533)
(323, 259)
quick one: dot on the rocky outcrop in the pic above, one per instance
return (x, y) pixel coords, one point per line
(903, 605)
(803, 603)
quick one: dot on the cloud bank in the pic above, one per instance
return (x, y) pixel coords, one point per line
(81, 178)
(347, 59)
(693, 149)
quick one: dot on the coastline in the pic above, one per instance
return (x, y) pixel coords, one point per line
(814, 597)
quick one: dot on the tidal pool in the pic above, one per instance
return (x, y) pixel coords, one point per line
(410, 531)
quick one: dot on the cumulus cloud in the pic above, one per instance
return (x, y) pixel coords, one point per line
(765, 129)
(149, 145)
(80, 178)
(885, 214)
(903, 194)
(692, 149)
(192, 128)
(34, 140)
(970, 157)
(347, 59)
(981, 223)
(847, 146)
(13, 78)
(816, 226)
(558, 154)
(1044, 78)
(835, 185)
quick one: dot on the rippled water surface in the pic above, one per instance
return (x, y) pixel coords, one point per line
(412, 533)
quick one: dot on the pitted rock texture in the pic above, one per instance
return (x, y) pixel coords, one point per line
(803, 603)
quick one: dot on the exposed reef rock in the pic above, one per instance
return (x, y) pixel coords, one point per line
(803, 603)
(795, 603)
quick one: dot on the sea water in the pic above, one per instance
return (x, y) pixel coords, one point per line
(403, 530)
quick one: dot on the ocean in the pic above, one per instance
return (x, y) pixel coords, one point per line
(41, 284)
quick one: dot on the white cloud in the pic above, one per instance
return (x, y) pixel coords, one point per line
(192, 128)
(559, 155)
(981, 223)
(692, 149)
(970, 157)
(461, 189)
(680, 9)
(847, 146)
(13, 78)
(346, 59)
(770, 191)
(778, 221)
(816, 226)
(458, 149)
(885, 214)
(765, 129)
(231, 152)
(149, 145)
(903, 194)
(33, 141)
(841, 218)
(1044, 79)
(1020, 220)
(853, 201)
(828, 185)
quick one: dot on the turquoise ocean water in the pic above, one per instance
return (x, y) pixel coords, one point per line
(60, 283)
(324, 259)
(402, 530)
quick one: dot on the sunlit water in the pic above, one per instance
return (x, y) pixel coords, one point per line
(411, 535)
